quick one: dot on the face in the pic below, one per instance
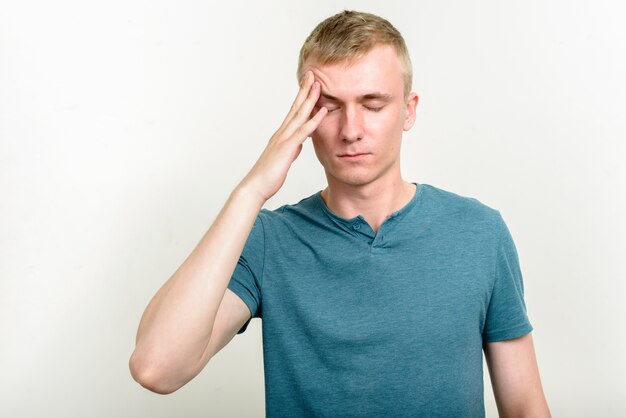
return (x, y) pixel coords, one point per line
(358, 142)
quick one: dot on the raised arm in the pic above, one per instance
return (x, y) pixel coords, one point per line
(190, 318)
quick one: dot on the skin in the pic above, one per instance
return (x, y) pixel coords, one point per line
(193, 315)
(515, 379)
(367, 113)
(360, 122)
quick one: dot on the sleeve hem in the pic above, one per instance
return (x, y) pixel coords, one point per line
(508, 334)
(241, 291)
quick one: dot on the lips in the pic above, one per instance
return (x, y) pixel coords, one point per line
(354, 157)
(356, 154)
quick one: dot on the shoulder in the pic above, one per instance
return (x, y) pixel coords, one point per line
(307, 210)
(453, 202)
(448, 206)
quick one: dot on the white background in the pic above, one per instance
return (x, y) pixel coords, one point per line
(124, 125)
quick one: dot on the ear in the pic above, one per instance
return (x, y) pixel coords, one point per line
(411, 105)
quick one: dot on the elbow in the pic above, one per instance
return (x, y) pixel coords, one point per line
(151, 377)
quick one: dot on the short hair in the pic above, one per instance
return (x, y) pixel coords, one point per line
(348, 36)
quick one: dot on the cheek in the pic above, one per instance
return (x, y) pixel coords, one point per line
(391, 126)
(318, 143)
(324, 129)
(320, 149)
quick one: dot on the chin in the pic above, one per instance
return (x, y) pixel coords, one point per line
(354, 178)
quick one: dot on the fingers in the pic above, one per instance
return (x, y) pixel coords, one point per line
(304, 131)
(303, 114)
(305, 87)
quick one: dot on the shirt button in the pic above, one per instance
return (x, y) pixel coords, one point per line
(356, 226)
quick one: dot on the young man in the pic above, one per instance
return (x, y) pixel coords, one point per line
(377, 295)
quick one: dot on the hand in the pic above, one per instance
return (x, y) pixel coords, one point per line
(270, 171)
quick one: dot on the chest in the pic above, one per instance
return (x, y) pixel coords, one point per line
(351, 293)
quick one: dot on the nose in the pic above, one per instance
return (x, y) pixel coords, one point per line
(351, 124)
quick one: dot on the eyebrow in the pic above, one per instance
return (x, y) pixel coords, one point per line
(370, 96)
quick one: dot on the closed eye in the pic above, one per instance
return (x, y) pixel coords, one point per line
(370, 108)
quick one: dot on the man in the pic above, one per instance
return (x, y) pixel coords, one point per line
(377, 295)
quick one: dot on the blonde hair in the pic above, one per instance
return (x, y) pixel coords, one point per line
(348, 36)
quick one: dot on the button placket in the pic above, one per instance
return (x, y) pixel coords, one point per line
(379, 240)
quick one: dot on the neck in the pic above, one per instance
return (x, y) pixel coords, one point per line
(374, 201)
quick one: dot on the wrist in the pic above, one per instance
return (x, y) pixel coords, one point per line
(249, 194)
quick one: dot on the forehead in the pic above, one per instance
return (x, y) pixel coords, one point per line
(378, 71)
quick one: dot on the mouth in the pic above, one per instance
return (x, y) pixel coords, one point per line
(352, 154)
(353, 157)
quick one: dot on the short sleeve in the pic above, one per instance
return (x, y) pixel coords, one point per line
(248, 275)
(506, 313)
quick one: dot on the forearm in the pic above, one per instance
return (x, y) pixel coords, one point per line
(176, 327)
(175, 330)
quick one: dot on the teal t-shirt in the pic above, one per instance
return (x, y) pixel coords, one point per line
(365, 324)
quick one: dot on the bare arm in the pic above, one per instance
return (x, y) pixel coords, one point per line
(175, 338)
(515, 378)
